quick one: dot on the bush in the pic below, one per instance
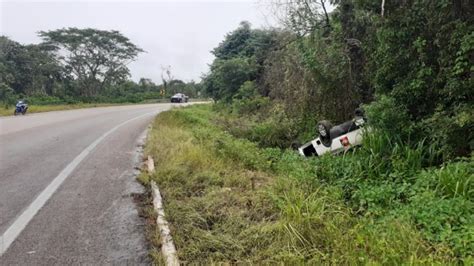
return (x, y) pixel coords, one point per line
(443, 220)
(45, 100)
(276, 130)
(7, 95)
(250, 106)
(259, 121)
(248, 90)
(452, 132)
(389, 116)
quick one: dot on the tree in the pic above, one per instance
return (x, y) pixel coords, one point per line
(146, 85)
(303, 16)
(246, 42)
(227, 76)
(7, 97)
(235, 43)
(95, 58)
(166, 77)
(28, 69)
(240, 57)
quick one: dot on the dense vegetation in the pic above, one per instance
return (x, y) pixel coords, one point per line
(78, 65)
(411, 66)
(229, 201)
(234, 193)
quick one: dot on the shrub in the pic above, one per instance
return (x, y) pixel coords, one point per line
(250, 106)
(389, 116)
(45, 100)
(443, 220)
(7, 95)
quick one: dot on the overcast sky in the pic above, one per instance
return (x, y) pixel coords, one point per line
(176, 33)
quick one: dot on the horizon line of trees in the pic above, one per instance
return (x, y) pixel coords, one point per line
(79, 65)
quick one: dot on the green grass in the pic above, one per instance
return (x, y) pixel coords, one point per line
(49, 108)
(230, 201)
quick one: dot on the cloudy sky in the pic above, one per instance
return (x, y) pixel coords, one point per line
(177, 33)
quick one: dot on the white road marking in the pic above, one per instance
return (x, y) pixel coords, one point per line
(22, 221)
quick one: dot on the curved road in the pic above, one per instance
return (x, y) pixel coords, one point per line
(66, 180)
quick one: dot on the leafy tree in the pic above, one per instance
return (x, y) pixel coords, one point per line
(227, 76)
(246, 42)
(7, 95)
(28, 69)
(303, 17)
(428, 69)
(248, 90)
(240, 57)
(235, 44)
(96, 58)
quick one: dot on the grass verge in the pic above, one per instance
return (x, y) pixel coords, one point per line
(62, 107)
(49, 108)
(229, 201)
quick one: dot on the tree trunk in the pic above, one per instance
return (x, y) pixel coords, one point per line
(325, 14)
(382, 8)
(457, 8)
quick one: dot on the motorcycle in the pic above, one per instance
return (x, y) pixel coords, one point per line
(20, 107)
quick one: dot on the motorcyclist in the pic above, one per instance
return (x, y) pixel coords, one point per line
(21, 107)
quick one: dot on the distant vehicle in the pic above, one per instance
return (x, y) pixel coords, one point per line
(179, 98)
(336, 139)
(20, 108)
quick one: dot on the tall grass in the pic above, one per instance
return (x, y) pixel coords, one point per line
(230, 201)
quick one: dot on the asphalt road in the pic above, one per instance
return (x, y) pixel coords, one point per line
(66, 180)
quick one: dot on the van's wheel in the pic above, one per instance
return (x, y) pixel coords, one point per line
(359, 112)
(324, 131)
(295, 144)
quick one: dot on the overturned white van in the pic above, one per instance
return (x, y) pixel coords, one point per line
(336, 139)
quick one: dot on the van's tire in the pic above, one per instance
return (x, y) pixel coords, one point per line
(295, 145)
(359, 112)
(324, 132)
